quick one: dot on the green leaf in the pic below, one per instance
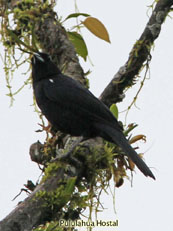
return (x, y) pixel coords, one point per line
(114, 110)
(130, 128)
(79, 44)
(66, 192)
(75, 15)
(70, 185)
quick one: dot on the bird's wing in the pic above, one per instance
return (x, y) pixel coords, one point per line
(65, 91)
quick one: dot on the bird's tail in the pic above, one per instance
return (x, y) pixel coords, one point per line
(118, 138)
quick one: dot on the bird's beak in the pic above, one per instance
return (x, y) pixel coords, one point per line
(38, 56)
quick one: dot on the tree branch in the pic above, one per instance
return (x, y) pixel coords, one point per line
(41, 206)
(140, 53)
(34, 210)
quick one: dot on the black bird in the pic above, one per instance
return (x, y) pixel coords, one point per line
(74, 110)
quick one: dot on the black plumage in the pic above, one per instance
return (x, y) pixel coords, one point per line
(74, 110)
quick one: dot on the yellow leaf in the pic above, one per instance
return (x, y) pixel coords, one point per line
(131, 164)
(97, 28)
(136, 138)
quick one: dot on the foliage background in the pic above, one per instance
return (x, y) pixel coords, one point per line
(147, 204)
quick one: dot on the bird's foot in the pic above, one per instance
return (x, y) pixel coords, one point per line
(69, 155)
(45, 128)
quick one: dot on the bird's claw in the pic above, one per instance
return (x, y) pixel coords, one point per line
(67, 157)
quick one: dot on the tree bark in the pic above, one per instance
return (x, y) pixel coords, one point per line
(139, 54)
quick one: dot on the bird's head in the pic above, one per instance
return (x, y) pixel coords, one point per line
(43, 67)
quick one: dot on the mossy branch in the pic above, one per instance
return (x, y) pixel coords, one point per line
(139, 55)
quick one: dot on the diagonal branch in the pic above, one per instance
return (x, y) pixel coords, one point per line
(34, 209)
(140, 53)
(43, 204)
